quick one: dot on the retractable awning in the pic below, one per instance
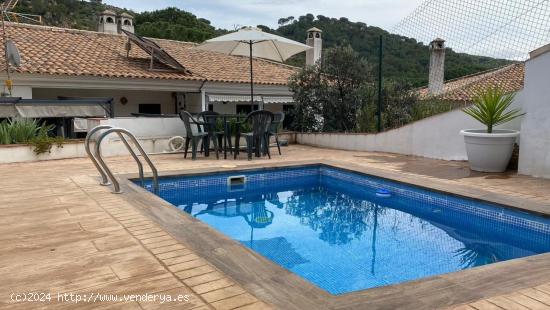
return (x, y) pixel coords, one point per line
(32, 108)
(282, 99)
(232, 98)
(258, 98)
(7, 110)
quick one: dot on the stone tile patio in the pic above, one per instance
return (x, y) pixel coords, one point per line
(62, 233)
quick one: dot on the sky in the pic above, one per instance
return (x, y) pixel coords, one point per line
(230, 14)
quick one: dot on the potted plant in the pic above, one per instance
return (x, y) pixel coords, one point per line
(490, 150)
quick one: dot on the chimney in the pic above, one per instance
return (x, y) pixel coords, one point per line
(314, 40)
(437, 66)
(108, 22)
(126, 22)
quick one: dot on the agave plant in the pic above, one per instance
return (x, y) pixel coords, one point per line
(23, 130)
(5, 132)
(491, 108)
(15, 131)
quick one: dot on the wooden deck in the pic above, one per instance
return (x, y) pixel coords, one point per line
(60, 232)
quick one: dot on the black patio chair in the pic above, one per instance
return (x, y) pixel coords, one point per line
(212, 118)
(273, 130)
(195, 136)
(259, 122)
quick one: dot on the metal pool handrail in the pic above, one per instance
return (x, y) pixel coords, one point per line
(121, 132)
(104, 179)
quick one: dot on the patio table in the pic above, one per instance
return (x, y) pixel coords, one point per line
(227, 130)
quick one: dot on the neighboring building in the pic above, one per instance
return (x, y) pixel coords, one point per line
(462, 90)
(314, 40)
(58, 62)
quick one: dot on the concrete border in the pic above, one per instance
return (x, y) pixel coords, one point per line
(282, 288)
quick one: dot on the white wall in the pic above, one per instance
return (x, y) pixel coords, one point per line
(24, 153)
(149, 127)
(534, 156)
(24, 92)
(135, 97)
(433, 137)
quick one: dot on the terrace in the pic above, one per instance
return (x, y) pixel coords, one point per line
(370, 205)
(64, 233)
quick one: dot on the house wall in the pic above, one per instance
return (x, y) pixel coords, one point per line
(193, 102)
(24, 92)
(231, 107)
(273, 107)
(534, 156)
(135, 97)
(228, 108)
(433, 137)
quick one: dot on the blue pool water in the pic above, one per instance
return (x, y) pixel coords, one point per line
(345, 231)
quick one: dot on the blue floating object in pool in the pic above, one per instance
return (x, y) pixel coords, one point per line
(384, 193)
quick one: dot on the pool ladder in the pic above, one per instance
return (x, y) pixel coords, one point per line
(102, 167)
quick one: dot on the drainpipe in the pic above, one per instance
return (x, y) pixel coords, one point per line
(203, 96)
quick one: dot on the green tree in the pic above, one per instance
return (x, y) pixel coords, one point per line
(329, 95)
(174, 24)
(306, 115)
(404, 58)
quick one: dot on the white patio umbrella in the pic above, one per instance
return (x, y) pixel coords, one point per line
(253, 42)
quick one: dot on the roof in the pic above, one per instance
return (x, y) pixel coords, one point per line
(70, 52)
(314, 29)
(509, 78)
(124, 14)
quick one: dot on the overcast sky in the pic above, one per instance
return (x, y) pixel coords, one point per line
(226, 13)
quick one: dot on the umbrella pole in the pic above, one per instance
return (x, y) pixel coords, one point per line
(251, 79)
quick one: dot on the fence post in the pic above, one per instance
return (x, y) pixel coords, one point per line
(379, 111)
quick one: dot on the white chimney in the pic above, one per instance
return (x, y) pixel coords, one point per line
(314, 40)
(108, 22)
(126, 22)
(437, 66)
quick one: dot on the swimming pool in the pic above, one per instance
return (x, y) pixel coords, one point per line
(345, 231)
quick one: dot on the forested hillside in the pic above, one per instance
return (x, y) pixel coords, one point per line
(405, 58)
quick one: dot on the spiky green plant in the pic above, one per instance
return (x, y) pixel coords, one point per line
(23, 130)
(5, 132)
(491, 108)
(18, 130)
(28, 131)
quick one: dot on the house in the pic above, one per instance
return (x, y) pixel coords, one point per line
(461, 91)
(69, 63)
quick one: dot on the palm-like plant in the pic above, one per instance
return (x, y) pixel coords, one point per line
(491, 108)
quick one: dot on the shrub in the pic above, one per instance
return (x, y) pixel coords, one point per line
(29, 131)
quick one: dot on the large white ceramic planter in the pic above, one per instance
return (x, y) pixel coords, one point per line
(489, 152)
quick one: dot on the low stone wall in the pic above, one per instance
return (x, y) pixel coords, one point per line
(16, 153)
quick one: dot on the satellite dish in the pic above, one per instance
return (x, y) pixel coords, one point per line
(12, 53)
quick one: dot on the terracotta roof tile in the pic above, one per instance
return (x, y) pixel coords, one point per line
(60, 51)
(510, 78)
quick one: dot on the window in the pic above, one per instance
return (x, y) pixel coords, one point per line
(110, 20)
(287, 122)
(127, 23)
(149, 108)
(211, 107)
(245, 108)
